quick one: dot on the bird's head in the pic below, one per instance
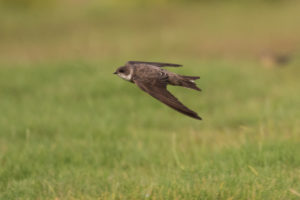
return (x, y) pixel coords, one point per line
(124, 72)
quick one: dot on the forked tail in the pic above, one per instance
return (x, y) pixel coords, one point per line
(189, 82)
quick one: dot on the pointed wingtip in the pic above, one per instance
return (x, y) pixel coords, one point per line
(195, 116)
(199, 118)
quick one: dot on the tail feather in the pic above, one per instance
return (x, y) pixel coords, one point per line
(191, 77)
(188, 82)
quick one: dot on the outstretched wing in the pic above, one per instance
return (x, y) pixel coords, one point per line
(157, 64)
(158, 90)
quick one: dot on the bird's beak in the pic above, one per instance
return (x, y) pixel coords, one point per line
(115, 72)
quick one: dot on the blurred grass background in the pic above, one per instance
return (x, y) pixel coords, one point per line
(69, 129)
(63, 30)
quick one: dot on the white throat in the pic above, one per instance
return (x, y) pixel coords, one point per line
(126, 77)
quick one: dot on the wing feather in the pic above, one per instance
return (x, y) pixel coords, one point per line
(158, 90)
(158, 64)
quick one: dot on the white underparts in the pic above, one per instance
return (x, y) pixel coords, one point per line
(126, 77)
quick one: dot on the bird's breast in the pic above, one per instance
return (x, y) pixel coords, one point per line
(126, 77)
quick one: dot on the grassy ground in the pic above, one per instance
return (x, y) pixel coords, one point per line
(162, 32)
(73, 130)
(69, 129)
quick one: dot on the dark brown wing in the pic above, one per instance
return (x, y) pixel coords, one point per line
(158, 90)
(157, 64)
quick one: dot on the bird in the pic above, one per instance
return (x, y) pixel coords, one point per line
(153, 79)
(271, 60)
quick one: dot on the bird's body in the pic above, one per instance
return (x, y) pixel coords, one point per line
(151, 78)
(272, 59)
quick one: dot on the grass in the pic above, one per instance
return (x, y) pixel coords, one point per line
(75, 131)
(70, 129)
(162, 32)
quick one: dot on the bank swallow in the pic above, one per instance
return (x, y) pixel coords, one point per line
(151, 78)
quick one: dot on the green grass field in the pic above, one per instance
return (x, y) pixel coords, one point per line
(70, 129)
(75, 131)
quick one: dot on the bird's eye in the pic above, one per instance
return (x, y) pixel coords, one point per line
(121, 71)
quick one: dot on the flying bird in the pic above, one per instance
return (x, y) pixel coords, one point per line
(272, 59)
(151, 78)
